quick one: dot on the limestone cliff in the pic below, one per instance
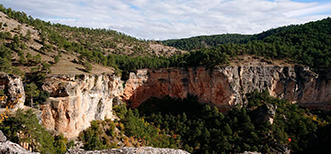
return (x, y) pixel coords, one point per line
(77, 100)
(12, 87)
(225, 87)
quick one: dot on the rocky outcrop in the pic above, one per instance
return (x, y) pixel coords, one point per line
(127, 150)
(225, 87)
(3, 138)
(264, 113)
(77, 100)
(279, 148)
(8, 147)
(12, 87)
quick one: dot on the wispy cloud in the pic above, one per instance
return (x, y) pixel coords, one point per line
(157, 19)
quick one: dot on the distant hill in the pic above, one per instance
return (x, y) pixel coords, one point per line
(199, 42)
(307, 44)
(286, 33)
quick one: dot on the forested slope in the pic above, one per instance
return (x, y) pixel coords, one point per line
(200, 42)
(307, 44)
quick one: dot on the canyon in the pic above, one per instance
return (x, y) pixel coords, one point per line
(76, 100)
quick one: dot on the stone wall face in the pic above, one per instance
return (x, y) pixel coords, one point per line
(77, 100)
(225, 87)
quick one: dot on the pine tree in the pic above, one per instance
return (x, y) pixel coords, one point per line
(28, 35)
(32, 91)
(227, 129)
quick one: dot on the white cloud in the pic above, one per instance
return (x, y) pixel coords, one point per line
(157, 19)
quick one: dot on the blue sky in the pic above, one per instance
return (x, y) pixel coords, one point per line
(160, 19)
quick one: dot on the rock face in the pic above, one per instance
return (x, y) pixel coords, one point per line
(13, 148)
(225, 87)
(264, 113)
(77, 100)
(127, 150)
(12, 87)
(3, 138)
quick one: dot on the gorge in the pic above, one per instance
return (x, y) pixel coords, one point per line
(76, 100)
(226, 93)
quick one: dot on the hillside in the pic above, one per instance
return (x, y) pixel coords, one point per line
(30, 43)
(28, 40)
(200, 42)
(293, 33)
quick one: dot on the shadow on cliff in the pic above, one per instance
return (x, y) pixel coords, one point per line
(168, 105)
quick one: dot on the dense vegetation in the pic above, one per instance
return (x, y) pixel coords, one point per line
(307, 44)
(132, 130)
(200, 128)
(98, 135)
(203, 129)
(200, 42)
(24, 127)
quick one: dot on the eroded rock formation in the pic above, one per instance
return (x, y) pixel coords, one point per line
(12, 87)
(225, 87)
(264, 113)
(77, 100)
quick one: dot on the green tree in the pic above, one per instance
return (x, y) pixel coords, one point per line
(17, 71)
(28, 56)
(16, 42)
(227, 129)
(60, 143)
(5, 65)
(43, 95)
(87, 66)
(46, 68)
(37, 58)
(28, 35)
(22, 59)
(32, 91)
(56, 59)
(24, 127)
